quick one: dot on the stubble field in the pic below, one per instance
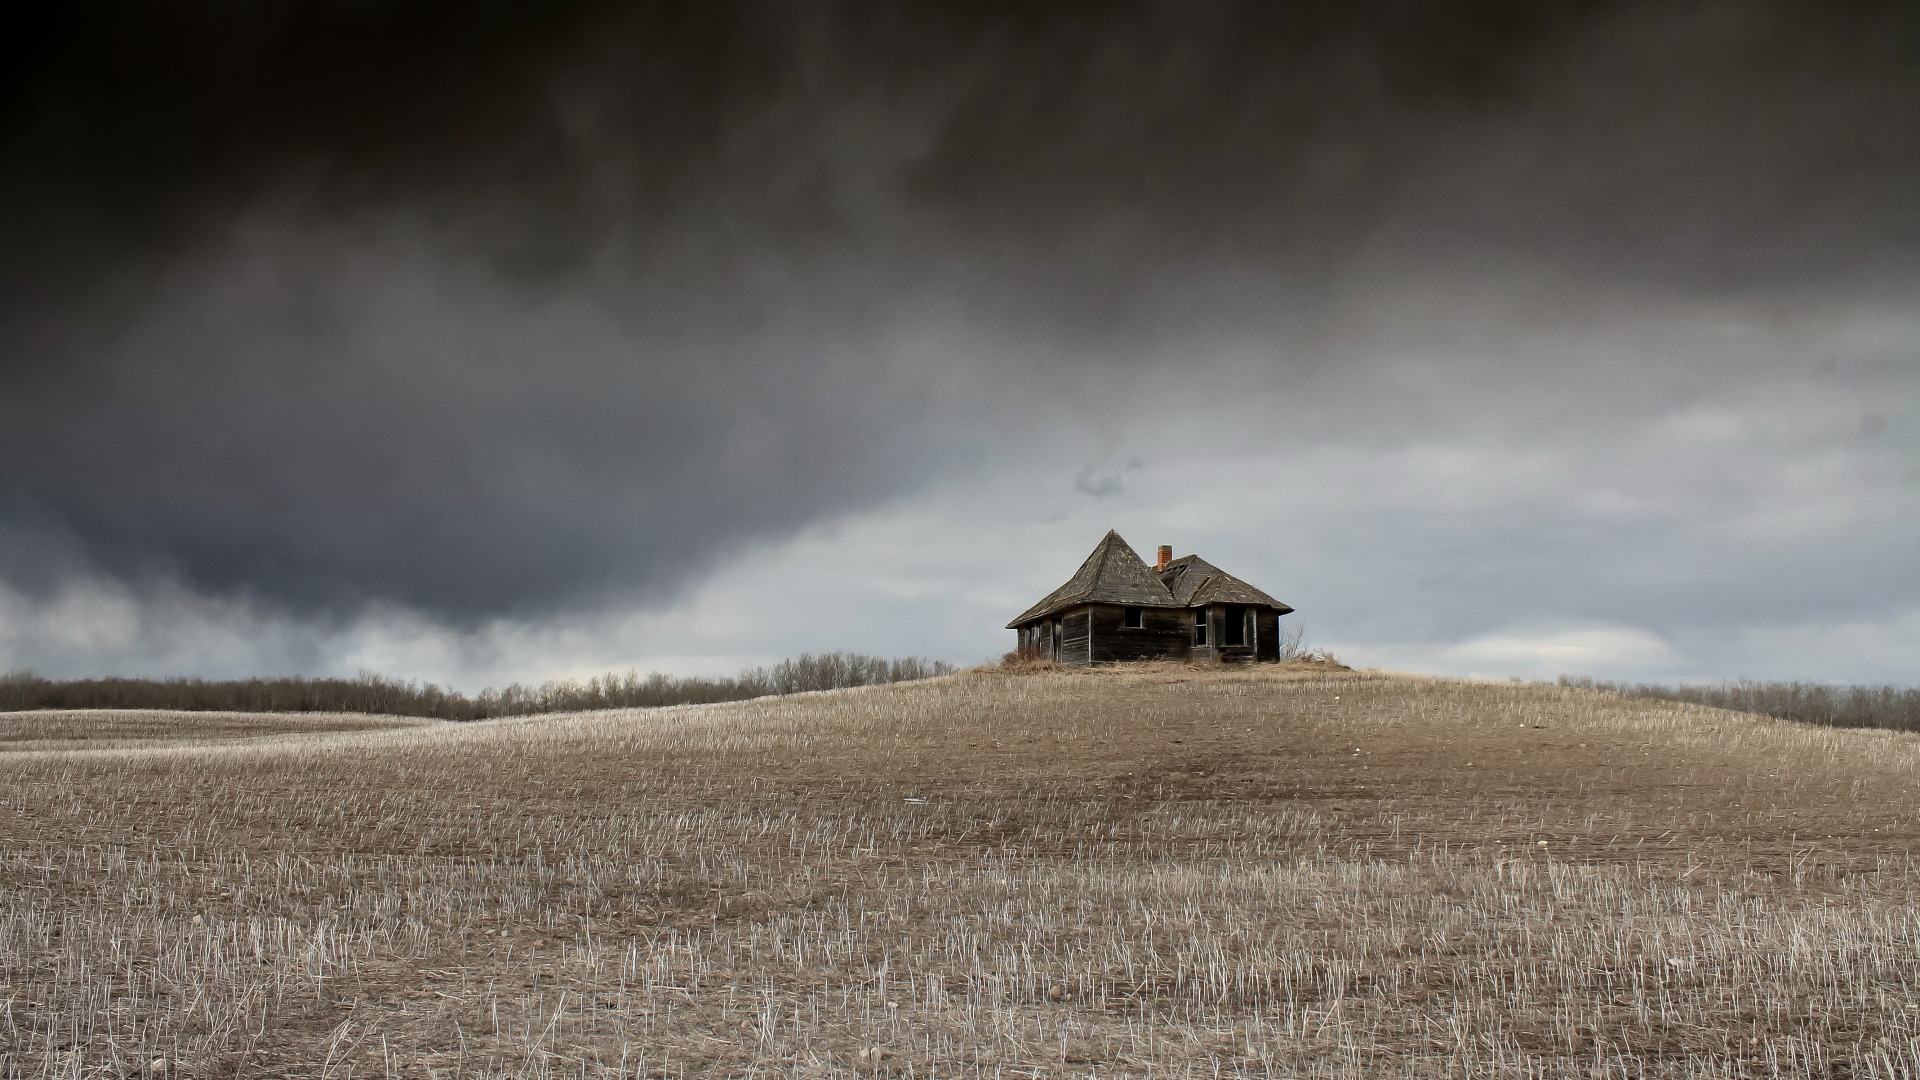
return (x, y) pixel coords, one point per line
(1168, 871)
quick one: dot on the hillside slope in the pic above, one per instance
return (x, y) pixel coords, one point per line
(1254, 872)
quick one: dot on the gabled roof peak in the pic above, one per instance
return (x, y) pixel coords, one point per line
(1112, 574)
(1195, 582)
(1116, 574)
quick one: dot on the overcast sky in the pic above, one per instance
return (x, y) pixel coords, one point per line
(483, 342)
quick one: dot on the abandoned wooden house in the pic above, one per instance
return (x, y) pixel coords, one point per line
(1116, 607)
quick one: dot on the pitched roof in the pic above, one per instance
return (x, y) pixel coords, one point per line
(1113, 574)
(1195, 582)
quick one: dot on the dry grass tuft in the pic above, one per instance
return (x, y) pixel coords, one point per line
(1322, 661)
(1026, 661)
(1160, 870)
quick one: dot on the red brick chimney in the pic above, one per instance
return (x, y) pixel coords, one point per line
(1166, 556)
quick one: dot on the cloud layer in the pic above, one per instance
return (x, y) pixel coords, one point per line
(480, 342)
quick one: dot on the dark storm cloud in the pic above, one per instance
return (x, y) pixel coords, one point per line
(489, 309)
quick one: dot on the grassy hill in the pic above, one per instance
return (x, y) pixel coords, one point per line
(1165, 871)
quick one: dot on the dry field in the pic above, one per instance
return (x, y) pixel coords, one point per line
(80, 729)
(1167, 872)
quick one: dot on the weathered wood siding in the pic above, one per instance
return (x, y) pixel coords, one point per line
(1164, 632)
(1098, 635)
(1267, 621)
(1076, 637)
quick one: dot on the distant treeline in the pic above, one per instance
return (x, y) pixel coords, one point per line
(373, 693)
(1889, 707)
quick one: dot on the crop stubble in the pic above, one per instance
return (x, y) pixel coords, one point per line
(1161, 870)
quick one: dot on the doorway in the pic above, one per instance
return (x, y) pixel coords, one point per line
(1233, 631)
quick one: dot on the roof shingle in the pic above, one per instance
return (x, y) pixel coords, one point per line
(1113, 574)
(1195, 582)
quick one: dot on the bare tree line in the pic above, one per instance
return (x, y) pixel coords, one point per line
(375, 693)
(1890, 707)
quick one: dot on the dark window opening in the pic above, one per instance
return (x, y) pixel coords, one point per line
(1235, 630)
(1134, 619)
(1200, 626)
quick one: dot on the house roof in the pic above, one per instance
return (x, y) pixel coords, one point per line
(1195, 582)
(1113, 574)
(1116, 574)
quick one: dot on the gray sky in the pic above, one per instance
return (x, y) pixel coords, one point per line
(487, 343)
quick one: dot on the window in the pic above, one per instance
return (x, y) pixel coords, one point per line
(1134, 619)
(1233, 630)
(1200, 626)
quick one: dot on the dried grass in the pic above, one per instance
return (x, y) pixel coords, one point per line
(1892, 707)
(22, 691)
(1163, 870)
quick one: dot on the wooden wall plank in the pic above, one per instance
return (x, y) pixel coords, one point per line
(1163, 633)
(1076, 637)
